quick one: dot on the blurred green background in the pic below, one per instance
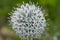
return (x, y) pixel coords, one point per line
(52, 8)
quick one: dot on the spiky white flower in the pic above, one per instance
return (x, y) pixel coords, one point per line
(28, 21)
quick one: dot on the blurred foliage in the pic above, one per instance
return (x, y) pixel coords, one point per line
(52, 8)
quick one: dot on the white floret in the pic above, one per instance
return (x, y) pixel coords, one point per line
(28, 21)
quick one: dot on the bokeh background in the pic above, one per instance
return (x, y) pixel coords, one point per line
(52, 15)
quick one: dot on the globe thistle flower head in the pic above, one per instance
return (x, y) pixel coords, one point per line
(28, 21)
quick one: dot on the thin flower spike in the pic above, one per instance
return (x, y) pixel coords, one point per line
(28, 21)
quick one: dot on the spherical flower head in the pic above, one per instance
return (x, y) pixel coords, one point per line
(28, 21)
